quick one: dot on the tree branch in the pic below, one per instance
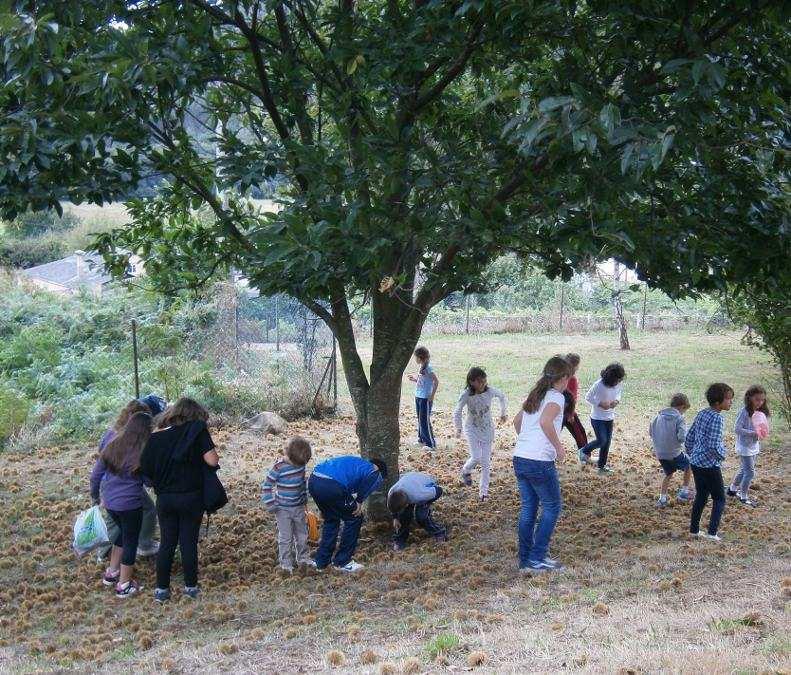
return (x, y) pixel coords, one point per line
(452, 73)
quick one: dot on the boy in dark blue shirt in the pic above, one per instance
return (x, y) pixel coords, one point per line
(339, 486)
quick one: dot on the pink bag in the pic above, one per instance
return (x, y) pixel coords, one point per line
(760, 424)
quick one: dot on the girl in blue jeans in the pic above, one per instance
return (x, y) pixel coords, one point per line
(603, 396)
(538, 445)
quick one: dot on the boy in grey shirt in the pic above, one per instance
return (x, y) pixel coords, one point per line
(411, 498)
(668, 432)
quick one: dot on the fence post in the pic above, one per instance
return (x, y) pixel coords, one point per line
(277, 323)
(467, 303)
(562, 303)
(134, 357)
(642, 317)
(334, 373)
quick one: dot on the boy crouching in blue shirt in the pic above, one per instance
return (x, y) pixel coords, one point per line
(339, 486)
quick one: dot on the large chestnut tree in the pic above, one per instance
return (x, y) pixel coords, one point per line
(414, 141)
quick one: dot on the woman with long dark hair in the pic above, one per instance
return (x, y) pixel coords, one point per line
(174, 460)
(116, 476)
(538, 445)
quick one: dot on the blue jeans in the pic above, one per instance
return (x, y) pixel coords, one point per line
(743, 478)
(538, 484)
(336, 505)
(603, 431)
(425, 432)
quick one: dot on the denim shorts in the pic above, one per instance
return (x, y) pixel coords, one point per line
(678, 463)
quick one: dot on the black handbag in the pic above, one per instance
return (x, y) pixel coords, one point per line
(214, 495)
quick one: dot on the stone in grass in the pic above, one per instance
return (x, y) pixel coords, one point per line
(411, 666)
(335, 658)
(476, 659)
(368, 657)
(268, 422)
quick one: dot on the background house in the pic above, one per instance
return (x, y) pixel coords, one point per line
(76, 272)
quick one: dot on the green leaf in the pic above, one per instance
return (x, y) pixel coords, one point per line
(554, 102)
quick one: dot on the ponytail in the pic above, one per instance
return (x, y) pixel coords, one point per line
(555, 369)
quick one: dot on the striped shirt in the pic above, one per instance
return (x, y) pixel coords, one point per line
(284, 486)
(704, 439)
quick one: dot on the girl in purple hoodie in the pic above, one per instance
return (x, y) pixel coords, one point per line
(117, 475)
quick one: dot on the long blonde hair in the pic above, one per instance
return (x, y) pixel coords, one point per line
(555, 369)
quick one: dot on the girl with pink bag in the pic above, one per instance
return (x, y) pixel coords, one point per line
(752, 426)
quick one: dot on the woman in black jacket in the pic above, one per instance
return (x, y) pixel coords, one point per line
(174, 461)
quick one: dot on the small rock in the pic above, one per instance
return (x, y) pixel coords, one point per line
(268, 422)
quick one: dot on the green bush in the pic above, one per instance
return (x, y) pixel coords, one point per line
(14, 410)
(24, 253)
(70, 360)
(35, 223)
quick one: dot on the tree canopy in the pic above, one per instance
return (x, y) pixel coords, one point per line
(415, 141)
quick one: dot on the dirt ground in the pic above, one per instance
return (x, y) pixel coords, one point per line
(637, 594)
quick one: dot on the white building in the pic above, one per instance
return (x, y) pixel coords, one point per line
(76, 272)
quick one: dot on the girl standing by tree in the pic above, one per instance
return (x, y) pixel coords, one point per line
(426, 383)
(117, 475)
(477, 397)
(538, 446)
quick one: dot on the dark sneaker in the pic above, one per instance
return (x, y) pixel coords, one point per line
(191, 591)
(731, 493)
(604, 470)
(111, 577)
(161, 594)
(441, 538)
(466, 478)
(746, 501)
(127, 590)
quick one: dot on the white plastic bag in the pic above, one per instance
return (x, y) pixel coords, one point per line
(90, 531)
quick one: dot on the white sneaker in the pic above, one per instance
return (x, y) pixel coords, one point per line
(308, 562)
(713, 537)
(351, 567)
(663, 500)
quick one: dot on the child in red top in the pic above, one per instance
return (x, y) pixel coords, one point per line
(571, 421)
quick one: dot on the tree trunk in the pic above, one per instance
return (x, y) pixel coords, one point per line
(379, 435)
(617, 305)
(621, 319)
(377, 401)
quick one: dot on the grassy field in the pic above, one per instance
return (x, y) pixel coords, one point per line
(637, 594)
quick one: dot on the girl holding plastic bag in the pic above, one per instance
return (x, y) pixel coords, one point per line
(117, 475)
(750, 429)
